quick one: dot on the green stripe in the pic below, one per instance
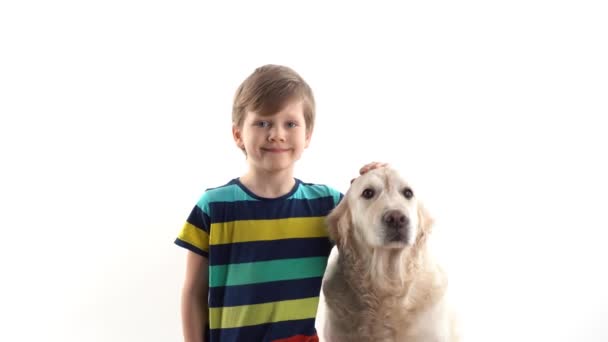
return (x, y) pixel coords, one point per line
(233, 192)
(337, 197)
(266, 271)
(312, 191)
(229, 193)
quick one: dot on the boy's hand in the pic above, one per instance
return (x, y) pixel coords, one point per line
(370, 166)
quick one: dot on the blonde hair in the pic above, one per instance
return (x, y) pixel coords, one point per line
(270, 88)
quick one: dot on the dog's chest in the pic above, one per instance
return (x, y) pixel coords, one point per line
(367, 318)
(374, 316)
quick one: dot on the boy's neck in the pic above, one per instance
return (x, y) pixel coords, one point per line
(268, 184)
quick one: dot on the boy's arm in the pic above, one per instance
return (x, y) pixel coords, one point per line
(195, 307)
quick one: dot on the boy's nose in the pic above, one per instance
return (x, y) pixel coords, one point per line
(276, 134)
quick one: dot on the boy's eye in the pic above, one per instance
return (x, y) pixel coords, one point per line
(262, 124)
(292, 124)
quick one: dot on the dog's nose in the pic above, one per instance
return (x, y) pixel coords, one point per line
(395, 219)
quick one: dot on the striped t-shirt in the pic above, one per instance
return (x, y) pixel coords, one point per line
(266, 259)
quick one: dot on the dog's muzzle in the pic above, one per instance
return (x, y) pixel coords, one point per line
(396, 224)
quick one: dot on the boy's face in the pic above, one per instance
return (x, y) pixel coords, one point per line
(273, 142)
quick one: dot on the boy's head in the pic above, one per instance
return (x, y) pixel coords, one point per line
(268, 90)
(273, 117)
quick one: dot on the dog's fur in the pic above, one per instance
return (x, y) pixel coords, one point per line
(384, 284)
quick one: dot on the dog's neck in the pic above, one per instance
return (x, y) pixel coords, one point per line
(391, 273)
(388, 270)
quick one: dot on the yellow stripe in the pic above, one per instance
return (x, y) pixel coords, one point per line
(260, 230)
(195, 236)
(245, 315)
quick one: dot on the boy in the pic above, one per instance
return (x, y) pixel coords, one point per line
(258, 245)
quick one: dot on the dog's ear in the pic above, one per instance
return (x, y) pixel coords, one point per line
(425, 222)
(338, 223)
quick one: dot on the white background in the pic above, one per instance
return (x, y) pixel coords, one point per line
(115, 116)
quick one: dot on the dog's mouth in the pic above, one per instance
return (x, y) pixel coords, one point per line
(397, 237)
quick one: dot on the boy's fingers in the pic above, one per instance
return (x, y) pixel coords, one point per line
(367, 167)
(371, 166)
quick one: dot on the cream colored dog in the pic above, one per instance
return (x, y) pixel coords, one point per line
(383, 284)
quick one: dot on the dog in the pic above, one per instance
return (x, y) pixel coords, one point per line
(382, 283)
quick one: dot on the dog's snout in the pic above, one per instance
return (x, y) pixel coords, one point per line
(395, 219)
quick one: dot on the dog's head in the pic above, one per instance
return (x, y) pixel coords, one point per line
(379, 210)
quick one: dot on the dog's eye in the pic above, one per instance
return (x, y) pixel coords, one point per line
(408, 193)
(368, 193)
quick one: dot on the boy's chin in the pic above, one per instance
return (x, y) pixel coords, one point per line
(279, 167)
(275, 163)
(273, 166)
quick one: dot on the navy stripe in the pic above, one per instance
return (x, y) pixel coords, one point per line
(199, 219)
(265, 332)
(192, 248)
(264, 292)
(260, 210)
(235, 253)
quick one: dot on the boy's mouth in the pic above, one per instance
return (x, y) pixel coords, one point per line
(275, 150)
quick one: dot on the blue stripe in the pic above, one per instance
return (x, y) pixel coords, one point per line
(190, 247)
(259, 210)
(264, 292)
(265, 332)
(199, 219)
(268, 250)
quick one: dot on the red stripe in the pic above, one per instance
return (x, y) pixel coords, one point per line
(299, 338)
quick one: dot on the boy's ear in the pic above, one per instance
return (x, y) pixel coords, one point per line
(308, 136)
(236, 134)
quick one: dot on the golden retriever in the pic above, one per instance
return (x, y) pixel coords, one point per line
(383, 284)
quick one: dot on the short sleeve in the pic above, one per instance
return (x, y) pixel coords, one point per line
(337, 195)
(194, 234)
